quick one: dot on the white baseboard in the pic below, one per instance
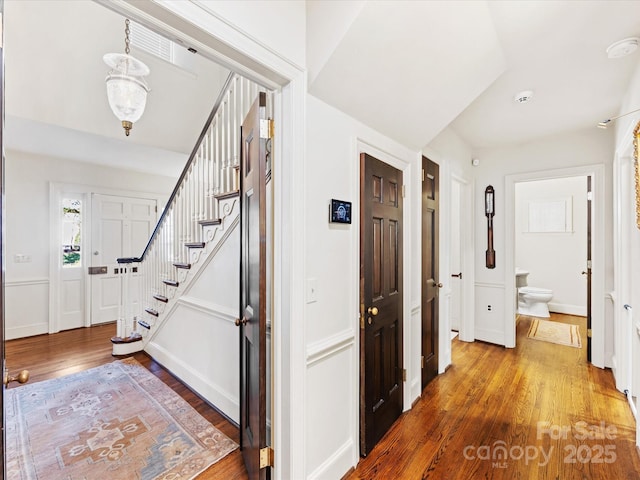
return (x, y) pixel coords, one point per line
(26, 331)
(223, 400)
(578, 310)
(337, 464)
(489, 335)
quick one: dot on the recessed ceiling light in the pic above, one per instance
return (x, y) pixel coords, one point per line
(622, 48)
(523, 97)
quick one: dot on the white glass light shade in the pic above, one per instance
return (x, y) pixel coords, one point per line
(126, 90)
(127, 97)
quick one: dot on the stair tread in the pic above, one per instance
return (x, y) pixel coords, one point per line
(205, 223)
(231, 194)
(151, 311)
(194, 245)
(144, 324)
(134, 337)
(171, 283)
(161, 298)
(185, 266)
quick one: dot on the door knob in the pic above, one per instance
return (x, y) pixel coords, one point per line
(584, 273)
(373, 311)
(239, 322)
(22, 377)
(96, 252)
(440, 285)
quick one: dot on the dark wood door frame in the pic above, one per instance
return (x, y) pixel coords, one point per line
(381, 300)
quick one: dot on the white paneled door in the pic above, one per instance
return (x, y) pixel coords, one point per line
(71, 260)
(120, 227)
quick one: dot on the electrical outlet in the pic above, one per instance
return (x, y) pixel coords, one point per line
(489, 308)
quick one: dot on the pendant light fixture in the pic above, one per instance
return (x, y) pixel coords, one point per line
(126, 88)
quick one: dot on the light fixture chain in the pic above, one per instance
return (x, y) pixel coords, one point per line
(126, 36)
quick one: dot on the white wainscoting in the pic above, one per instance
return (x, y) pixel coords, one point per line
(27, 308)
(199, 344)
(332, 392)
(490, 323)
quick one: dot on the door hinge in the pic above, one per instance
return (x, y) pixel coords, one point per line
(588, 333)
(404, 374)
(361, 322)
(422, 361)
(156, 208)
(589, 195)
(423, 174)
(404, 191)
(589, 264)
(266, 457)
(267, 128)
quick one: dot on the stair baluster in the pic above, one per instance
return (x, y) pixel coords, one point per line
(194, 205)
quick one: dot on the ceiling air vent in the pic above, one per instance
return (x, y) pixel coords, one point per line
(151, 42)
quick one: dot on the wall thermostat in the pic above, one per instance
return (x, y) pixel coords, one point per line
(339, 211)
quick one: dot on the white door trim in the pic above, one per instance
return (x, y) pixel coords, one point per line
(56, 191)
(198, 25)
(623, 230)
(466, 333)
(598, 255)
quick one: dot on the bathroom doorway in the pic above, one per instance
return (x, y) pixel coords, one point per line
(552, 236)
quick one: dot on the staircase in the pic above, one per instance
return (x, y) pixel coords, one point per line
(200, 214)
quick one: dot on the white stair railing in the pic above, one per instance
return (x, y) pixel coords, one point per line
(211, 174)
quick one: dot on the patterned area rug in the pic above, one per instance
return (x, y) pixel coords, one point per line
(555, 332)
(117, 422)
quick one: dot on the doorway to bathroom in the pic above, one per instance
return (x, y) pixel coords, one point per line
(552, 248)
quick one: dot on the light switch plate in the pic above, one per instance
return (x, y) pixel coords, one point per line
(312, 290)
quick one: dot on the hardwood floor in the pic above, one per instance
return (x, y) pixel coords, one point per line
(529, 399)
(53, 356)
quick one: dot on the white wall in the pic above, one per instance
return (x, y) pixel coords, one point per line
(27, 181)
(198, 340)
(627, 249)
(332, 259)
(589, 147)
(555, 260)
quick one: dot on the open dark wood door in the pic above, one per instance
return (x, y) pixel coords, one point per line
(588, 271)
(430, 283)
(381, 372)
(253, 325)
(3, 473)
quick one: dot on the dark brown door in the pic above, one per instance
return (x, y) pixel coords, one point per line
(588, 272)
(430, 283)
(253, 328)
(380, 299)
(2, 237)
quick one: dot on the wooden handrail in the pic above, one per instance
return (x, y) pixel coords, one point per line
(185, 171)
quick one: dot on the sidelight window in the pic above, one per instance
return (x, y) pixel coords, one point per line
(71, 232)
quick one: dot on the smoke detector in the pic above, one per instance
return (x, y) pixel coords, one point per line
(523, 97)
(622, 48)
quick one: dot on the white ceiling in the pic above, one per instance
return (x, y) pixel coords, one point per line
(55, 93)
(409, 69)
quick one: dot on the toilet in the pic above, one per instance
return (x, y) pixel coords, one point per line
(532, 301)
